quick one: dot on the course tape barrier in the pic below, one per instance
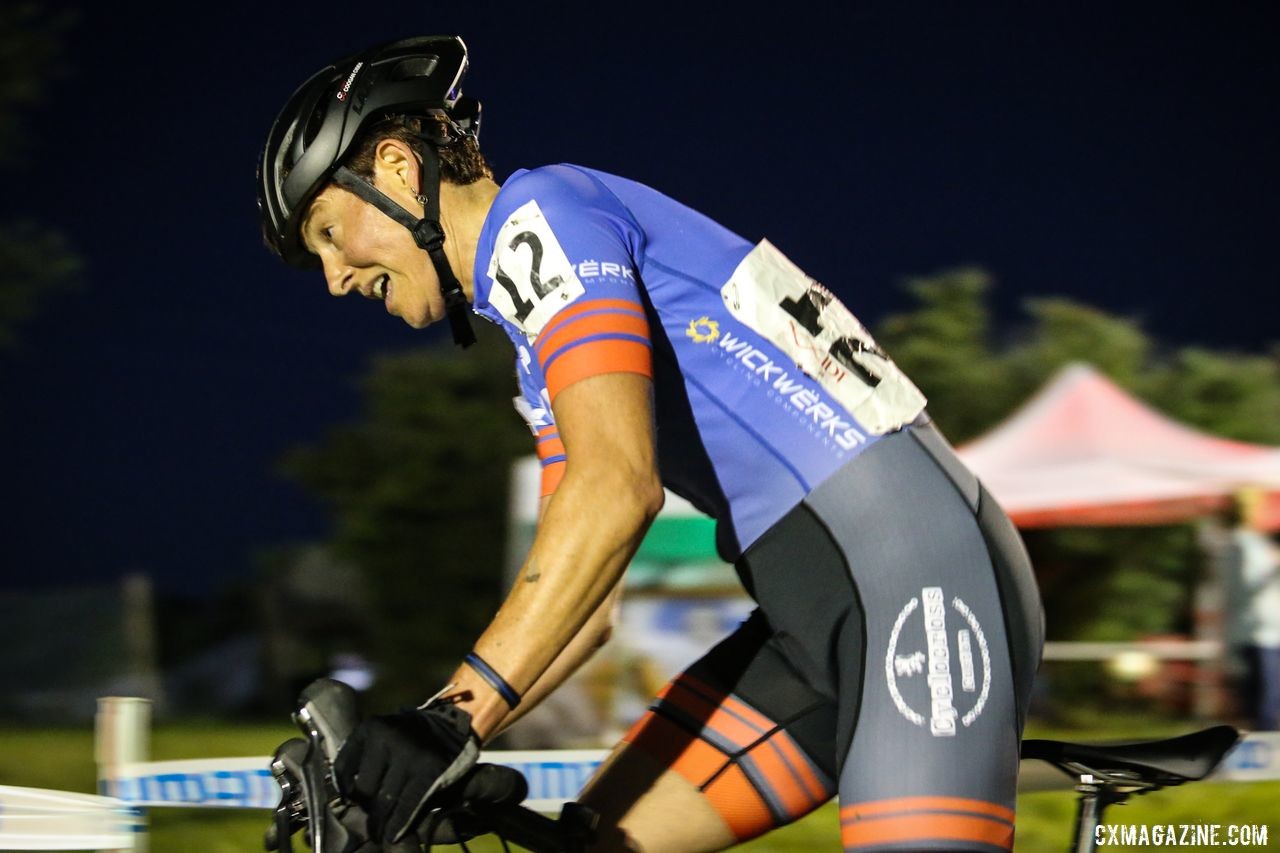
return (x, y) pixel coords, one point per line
(1256, 758)
(38, 819)
(555, 777)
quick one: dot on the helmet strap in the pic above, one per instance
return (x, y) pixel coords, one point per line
(427, 234)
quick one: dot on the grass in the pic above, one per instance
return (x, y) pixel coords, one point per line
(63, 759)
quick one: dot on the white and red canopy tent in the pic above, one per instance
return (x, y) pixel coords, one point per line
(1082, 451)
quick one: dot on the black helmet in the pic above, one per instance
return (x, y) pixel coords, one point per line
(315, 130)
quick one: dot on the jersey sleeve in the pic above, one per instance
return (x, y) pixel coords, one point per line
(563, 273)
(534, 405)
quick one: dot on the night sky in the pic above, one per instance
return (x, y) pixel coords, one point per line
(1124, 155)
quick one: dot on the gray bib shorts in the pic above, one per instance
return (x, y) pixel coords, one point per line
(889, 662)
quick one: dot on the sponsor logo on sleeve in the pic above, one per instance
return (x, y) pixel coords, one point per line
(923, 681)
(605, 269)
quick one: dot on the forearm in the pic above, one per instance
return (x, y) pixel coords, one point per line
(580, 649)
(578, 556)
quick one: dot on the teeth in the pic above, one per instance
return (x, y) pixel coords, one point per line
(380, 287)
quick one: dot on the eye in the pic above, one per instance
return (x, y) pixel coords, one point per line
(327, 232)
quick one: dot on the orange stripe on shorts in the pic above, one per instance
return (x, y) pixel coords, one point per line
(787, 786)
(907, 805)
(779, 784)
(920, 818)
(670, 745)
(737, 801)
(796, 758)
(715, 717)
(935, 827)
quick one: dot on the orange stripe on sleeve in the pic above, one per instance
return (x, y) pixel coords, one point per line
(594, 358)
(593, 324)
(551, 476)
(579, 308)
(548, 447)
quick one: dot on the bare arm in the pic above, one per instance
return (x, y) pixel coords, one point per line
(590, 530)
(594, 634)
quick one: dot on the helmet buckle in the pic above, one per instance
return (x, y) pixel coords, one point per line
(428, 235)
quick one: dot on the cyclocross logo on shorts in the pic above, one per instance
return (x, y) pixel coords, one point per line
(926, 674)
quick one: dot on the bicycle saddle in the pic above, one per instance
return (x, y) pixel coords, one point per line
(1162, 763)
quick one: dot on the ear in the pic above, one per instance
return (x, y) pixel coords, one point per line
(396, 167)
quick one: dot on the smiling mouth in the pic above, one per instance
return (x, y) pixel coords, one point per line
(380, 286)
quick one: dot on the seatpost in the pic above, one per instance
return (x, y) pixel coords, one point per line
(1094, 798)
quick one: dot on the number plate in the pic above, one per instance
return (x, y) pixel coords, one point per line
(773, 297)
(532, 276)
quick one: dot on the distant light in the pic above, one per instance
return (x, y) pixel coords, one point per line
(1133, 665)
(353, 670)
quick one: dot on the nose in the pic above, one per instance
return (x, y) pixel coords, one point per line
(340, 277)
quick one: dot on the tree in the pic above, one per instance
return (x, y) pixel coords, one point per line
(1233, 395)
(1063, 331)
(37, 261)
(944, 346)
(418, 491)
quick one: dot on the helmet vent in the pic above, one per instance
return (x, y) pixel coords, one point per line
(414, 66)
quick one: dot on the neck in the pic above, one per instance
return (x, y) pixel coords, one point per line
(462, 213)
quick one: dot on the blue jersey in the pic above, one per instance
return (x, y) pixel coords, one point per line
(764, 384)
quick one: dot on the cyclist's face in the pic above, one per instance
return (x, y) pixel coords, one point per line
(364, 251)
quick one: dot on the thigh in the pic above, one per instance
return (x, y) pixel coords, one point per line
(733, 747)
(644, 805)
(897, 588)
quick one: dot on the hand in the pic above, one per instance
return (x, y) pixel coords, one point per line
(392, 764)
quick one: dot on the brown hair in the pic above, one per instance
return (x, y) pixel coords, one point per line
(460, 163)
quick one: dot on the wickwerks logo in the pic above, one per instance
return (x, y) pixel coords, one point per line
(937, 688)
(783, 383)
(703, 330)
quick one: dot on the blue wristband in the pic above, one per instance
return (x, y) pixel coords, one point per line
(490, 675)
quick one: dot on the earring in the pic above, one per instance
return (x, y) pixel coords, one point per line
(422, 199)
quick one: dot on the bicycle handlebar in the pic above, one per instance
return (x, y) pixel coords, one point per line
(486, 801)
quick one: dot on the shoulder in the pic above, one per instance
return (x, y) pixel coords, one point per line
(561, 187)
(545, 225)
(566, 208)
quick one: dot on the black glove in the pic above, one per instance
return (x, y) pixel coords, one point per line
(392, 764)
